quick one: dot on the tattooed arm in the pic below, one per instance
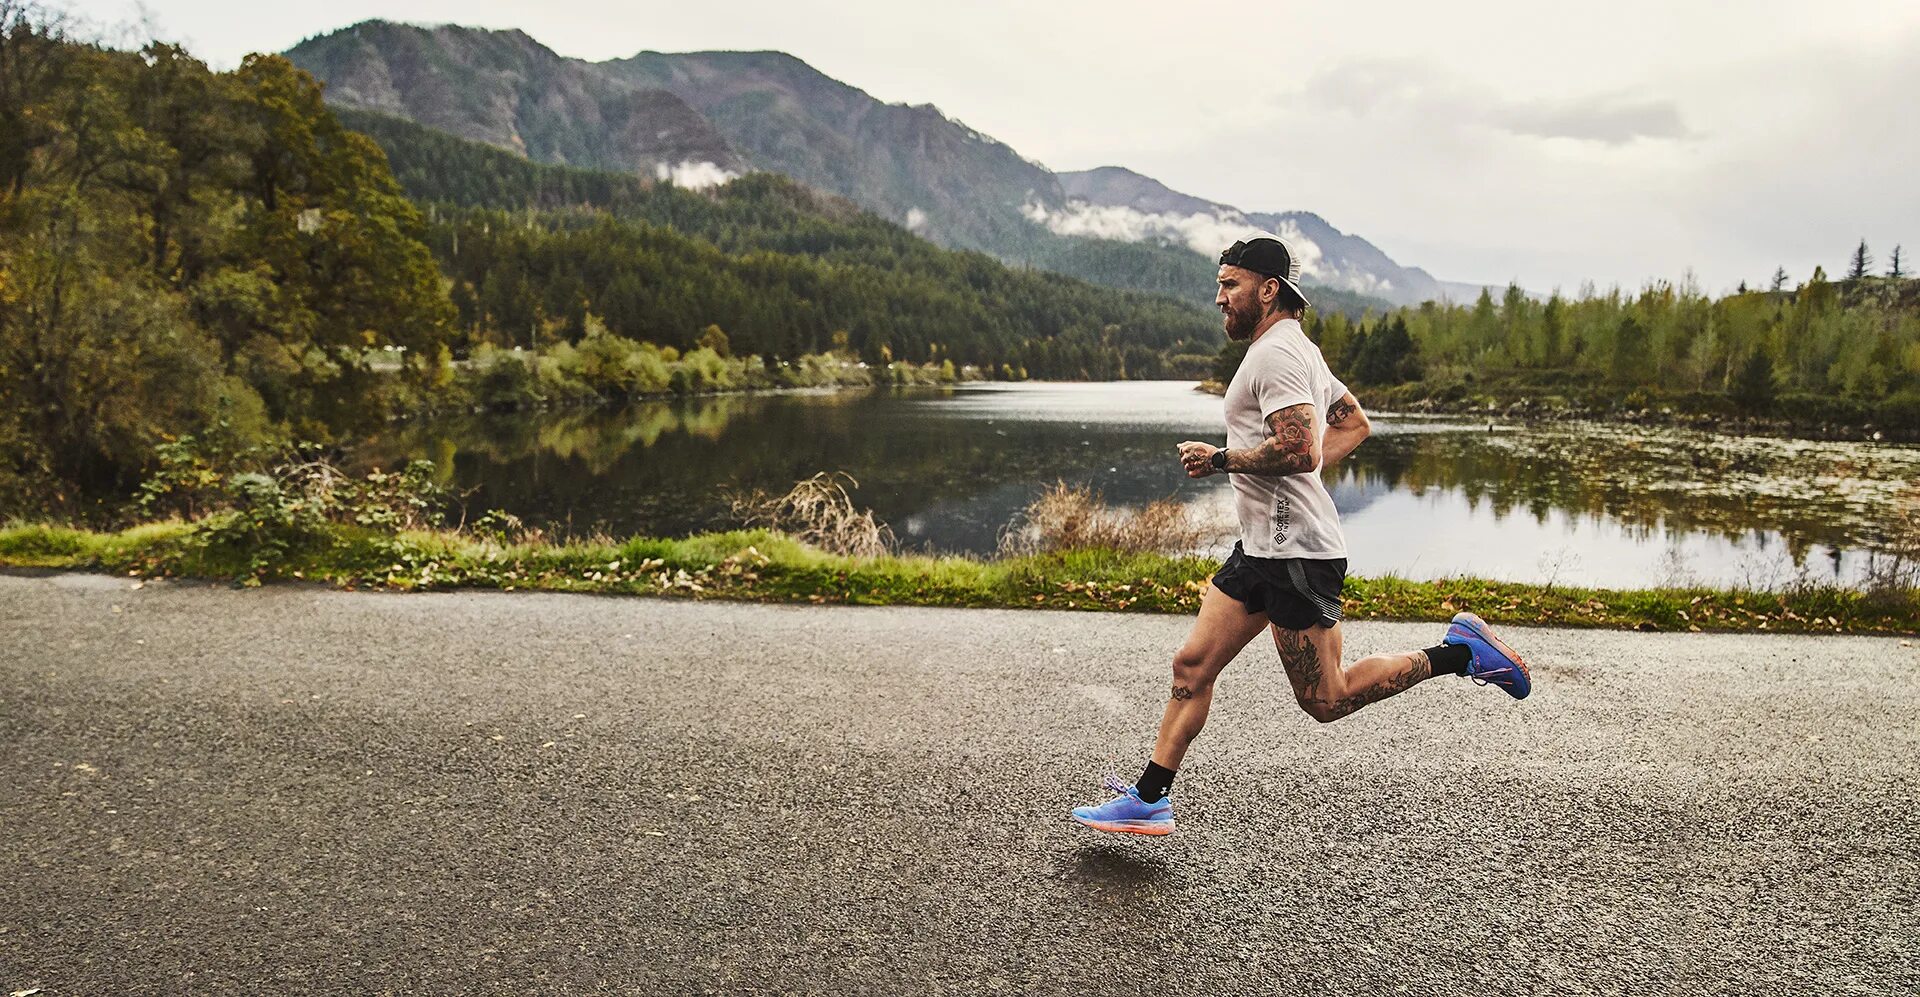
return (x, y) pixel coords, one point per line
(1347, 425)
(1292, 446)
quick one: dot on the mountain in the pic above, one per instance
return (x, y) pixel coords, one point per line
(704, 117)
(507, 90)
(908, 163)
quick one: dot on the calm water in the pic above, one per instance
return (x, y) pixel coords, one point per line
(948, 468)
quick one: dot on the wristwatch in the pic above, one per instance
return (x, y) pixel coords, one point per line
(1219, 459)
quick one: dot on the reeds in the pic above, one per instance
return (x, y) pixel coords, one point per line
(818, 512)
(1075, 517)
(1895, 568)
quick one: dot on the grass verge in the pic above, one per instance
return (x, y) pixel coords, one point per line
(766, 566)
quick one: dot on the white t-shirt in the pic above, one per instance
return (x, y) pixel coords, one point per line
(1290, 515)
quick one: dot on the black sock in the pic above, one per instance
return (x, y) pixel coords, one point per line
(1154, 783)
(1449, 659)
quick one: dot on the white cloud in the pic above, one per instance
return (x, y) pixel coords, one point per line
(692, 175)
(1303, 247)
(1206, 233)
(916, 219)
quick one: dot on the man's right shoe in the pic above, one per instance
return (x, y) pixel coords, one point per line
(1127, 813)
(1494, 663)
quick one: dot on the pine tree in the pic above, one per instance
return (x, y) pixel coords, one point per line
(1753, 383)
(1630, 359)
(1862, 260)
(1779, 279)
(1895, 269)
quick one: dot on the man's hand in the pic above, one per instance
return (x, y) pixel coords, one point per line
(1197, 458)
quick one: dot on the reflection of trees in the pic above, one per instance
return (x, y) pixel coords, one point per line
(662, 467)
(1654, 481)
(597, 438)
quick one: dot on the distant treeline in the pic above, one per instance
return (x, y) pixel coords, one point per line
(1826, 351)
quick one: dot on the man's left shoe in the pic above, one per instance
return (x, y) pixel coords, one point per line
(1127, 813)
(1494, 663)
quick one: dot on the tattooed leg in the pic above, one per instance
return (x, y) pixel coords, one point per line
(1326, 690)
(1223, 628)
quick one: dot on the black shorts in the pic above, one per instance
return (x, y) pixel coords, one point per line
(1296, 593)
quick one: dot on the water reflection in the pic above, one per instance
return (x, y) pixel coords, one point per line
(948, 467)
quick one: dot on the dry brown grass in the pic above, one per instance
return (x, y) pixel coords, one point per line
(1896, 569)
(1075, 517)
(818, 512)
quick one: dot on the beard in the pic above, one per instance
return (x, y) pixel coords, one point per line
(1241, 322)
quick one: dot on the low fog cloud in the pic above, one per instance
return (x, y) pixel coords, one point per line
(1206, 233)
(692, 175)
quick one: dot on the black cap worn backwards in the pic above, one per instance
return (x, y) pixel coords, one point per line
(1268, 257)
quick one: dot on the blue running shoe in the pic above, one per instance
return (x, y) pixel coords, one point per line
(1494, 663)
(1126, 813)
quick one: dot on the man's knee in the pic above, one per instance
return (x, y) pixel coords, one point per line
(1191, 671)
(1325, 710)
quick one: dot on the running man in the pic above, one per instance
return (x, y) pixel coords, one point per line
(1287, 418)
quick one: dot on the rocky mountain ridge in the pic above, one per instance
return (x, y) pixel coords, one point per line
(700, 118)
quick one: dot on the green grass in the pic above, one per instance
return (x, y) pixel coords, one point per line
(759, 565)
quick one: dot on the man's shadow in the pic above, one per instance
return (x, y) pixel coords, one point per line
(1117, 872)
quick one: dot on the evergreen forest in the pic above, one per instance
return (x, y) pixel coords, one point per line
(1841, 353)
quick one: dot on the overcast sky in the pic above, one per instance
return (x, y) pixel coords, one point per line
(1484, 140)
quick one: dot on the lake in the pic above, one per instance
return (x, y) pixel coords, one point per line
(1578, 504)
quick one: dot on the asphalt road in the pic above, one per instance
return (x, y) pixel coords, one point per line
(297, 790)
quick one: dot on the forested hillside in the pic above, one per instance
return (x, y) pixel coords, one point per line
(784, 270)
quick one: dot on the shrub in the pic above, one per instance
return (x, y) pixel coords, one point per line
(265, 523)
(604, 362)
(649, 369)
(256, 510)
(701, 370)
(501, 379)
(190, 474)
